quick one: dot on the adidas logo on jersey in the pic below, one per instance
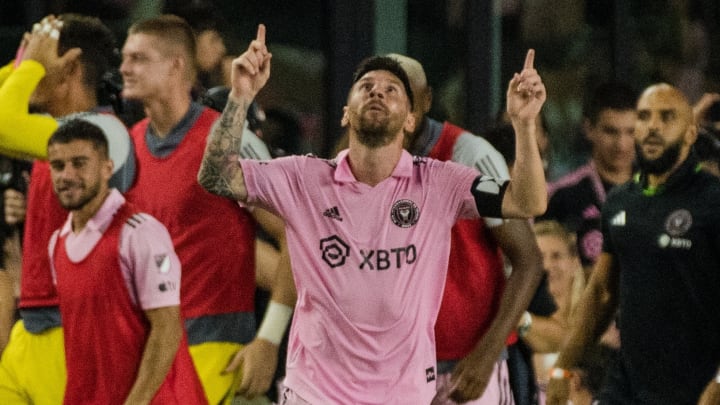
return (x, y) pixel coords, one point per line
(618, 219)
(333, 213)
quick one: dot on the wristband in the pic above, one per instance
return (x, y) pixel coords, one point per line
(557, 373)
(717, 378)
(275, 322)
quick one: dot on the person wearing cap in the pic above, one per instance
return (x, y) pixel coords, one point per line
(118, 279)
(369, 231)
(57, 73)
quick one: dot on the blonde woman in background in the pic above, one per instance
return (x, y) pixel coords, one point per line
(566, 281)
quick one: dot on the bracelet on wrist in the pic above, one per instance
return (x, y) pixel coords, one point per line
(557, 373)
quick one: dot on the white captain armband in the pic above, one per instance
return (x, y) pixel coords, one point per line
(275, 322)
(488, 194)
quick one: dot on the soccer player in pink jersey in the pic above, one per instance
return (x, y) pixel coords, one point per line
(369, 231)
(479, 304)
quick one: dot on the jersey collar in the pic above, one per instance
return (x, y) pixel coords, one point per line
(343, 174)
(689, 167)
(102, 218)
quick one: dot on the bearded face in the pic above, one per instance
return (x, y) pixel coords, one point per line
(661, 164)
(664, 130)
(376, 126)
(377, 109)
(78, 173)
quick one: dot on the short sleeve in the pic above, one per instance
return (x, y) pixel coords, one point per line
(274, 185)
(149, 259)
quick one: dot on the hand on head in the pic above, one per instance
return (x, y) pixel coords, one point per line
(41, 45)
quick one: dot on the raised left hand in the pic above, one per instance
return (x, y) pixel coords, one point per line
(526, 93)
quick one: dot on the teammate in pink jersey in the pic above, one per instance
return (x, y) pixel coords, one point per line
(118, 283)
(369, 231)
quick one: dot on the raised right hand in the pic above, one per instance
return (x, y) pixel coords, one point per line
(251, 70)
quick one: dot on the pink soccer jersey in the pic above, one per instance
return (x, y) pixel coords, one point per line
(369, 265)
(148, 262)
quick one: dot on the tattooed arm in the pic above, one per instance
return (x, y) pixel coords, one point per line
(220, 172)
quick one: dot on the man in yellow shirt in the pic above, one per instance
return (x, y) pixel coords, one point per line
(58, 73)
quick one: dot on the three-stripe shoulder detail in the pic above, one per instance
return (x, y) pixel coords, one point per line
(136, 219)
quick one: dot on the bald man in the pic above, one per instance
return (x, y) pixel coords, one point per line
(659, 264)
(480, 308)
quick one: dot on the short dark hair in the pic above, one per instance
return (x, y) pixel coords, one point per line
(80, 129)
(384, 63)
(610, 96)
(97, 42)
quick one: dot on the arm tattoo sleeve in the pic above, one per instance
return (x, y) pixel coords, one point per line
(220, 171)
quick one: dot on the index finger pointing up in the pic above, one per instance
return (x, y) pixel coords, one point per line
(261, 34)
(529, 59)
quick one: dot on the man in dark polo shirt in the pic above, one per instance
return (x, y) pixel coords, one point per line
(661, 264)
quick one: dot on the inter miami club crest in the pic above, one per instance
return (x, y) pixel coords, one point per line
(404, 213)
(678, 222)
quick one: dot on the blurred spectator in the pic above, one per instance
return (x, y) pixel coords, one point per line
(577, 198)
(543, 141)
(281, 131)
(707, 115)
(211, 36)
(588, 375)
(538, 329)
(14, 177)
(566, 281)
(707, 148)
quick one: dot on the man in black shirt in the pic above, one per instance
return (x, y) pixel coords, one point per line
(660, 263)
